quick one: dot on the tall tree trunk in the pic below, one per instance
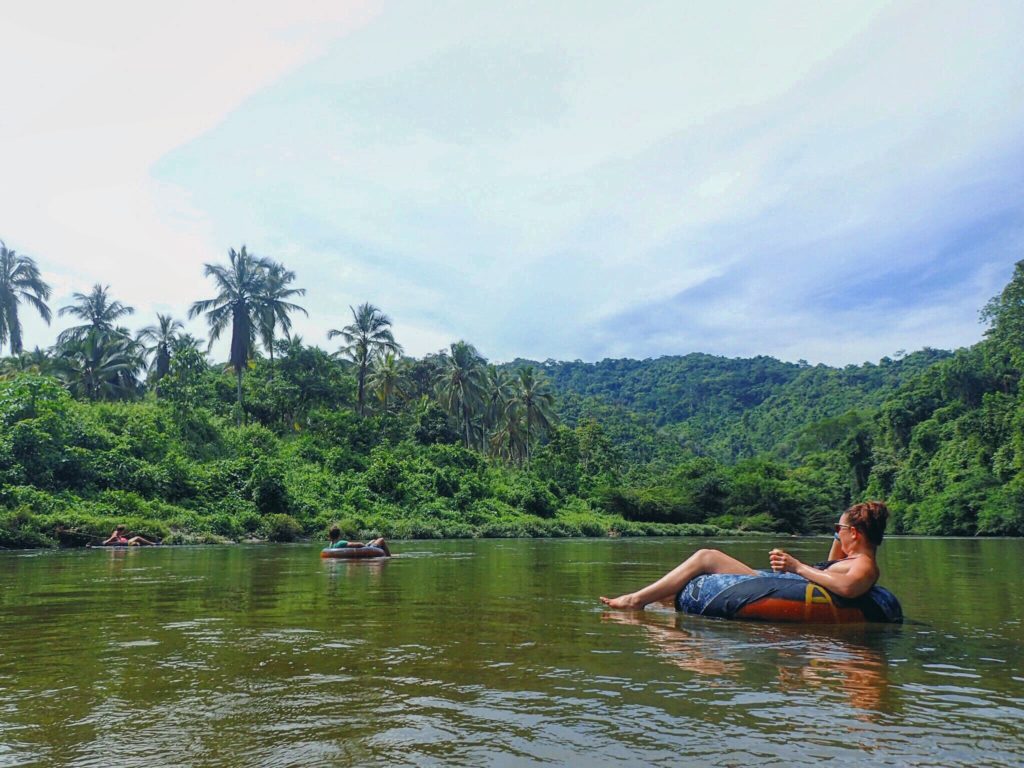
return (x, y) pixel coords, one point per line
(362, 379)
(163, 365)
(241, 410)
(14, 329)
(527, 439)
(271, 350)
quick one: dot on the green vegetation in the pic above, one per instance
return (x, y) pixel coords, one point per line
(19, 281)
(287, 439)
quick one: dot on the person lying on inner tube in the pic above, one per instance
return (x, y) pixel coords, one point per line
(850, 571)
(339, 543)
(120, 537)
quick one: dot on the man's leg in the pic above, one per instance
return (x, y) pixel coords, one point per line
(700, 562)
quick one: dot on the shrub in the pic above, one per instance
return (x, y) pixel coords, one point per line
(534, 499)
(724, 521)
(266, 487)
(281, 528)
(20, 530)
(186, 537)
(759, 522)
(253, 441)
(432, 427)
(385, 477)
(177, 477)
(225, 525)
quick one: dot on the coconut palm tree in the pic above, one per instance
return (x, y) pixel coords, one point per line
(536, 402)
(461, 388)
(97, 310)
(274, 307)
(386, 378)
(368, 336)
(36, 361)
(290, 347)
(162, 339)
(509, 438)
(135, 354)
(185, 341)
(19, 279)
(100, 365)
(238, 303)
(498, 392)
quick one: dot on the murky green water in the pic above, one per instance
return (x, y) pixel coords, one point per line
(494, 653)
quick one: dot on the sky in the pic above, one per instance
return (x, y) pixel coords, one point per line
(832, 182)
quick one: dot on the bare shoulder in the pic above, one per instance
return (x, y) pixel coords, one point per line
(863, 566)
(858, 564)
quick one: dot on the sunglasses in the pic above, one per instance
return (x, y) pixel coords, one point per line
(839, 526)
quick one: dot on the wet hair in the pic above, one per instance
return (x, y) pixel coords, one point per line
(869, 518)
(334, 533)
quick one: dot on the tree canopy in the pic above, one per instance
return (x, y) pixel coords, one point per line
(452, 444)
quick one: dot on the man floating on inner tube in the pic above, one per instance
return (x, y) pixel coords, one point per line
(339, 543)
(849, 573)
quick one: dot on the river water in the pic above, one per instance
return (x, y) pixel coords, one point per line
(495, 652)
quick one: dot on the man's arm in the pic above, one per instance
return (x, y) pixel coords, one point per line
(852, 581)
(835, 552)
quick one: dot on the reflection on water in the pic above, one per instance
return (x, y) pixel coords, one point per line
(806, 658)
(683, 648)
(493, 652)
(857, 672)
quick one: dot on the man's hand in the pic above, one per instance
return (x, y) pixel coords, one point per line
(782, 562)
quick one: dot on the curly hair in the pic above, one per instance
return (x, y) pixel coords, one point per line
(869, 518)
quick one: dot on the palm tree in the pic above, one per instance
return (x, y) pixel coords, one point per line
(386, 378)
(496, 397)
(291, 347)
(238, 303)
(462, 386)
(98, 311)
(163, 337)
(36, 361)
(508, 439)
(274, 308)
(135, 354)
(185, 341)
(367, 337)
(534, 397)
(99, 365)
(19, 279)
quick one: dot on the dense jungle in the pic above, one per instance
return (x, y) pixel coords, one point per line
(287, 436)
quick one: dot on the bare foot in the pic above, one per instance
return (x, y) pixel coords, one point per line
(625, 602)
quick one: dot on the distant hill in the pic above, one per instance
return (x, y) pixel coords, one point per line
(726, 408)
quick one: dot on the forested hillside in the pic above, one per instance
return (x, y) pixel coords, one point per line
(286, 438)
(727, 408)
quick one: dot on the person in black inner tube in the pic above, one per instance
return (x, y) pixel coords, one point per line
(850, 571)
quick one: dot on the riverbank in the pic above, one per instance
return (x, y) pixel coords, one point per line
(24, 530)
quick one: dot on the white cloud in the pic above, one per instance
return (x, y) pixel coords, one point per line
(95, 93)
(532, 177)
